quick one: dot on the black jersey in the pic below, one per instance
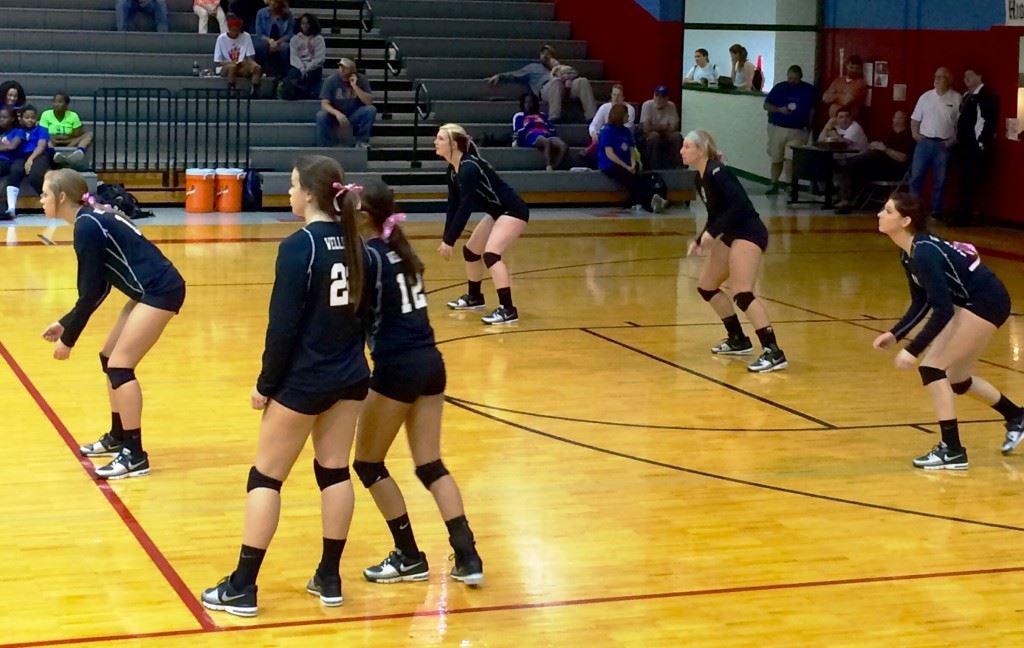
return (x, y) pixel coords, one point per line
(941, 274)
(400, 322)
(112, 251)
(315, 338)
(729, 208)
(477, 187)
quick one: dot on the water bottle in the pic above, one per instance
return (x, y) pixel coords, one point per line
(195, 68)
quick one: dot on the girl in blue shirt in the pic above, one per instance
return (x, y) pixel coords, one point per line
(11, 139)
(34, 160)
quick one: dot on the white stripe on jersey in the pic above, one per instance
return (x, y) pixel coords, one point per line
(312, 257)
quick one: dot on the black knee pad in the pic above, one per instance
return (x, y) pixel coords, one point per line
(962, 388)
(490, 258)
(259, 480)
(743, 300)
(104, 359)
(431, 472)
(327, 477)
(370, 473)
(930, 374)
(707, 295)
(469, 255)
(120, 376)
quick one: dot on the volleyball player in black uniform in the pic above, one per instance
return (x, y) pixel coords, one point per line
(473, 185)
(314, 378)
(968, 303)
(734, 240)
(407, 387)
(112, 252)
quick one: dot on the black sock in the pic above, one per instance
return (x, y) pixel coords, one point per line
(950, 434)
(116, 429)
(733, 326)
(767, 337)
(249, 561)
(331, 558)
(1007, 408)
(505, 298)
(133, 440)
(405, 541)
(474, 289)
(460, 535)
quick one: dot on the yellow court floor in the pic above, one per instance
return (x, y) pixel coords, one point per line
(625, 486)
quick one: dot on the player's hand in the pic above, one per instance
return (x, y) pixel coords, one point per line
(445, 251)
(259, 401)
(884, 341)
(61, 351)
(904, 360)
(53, 332)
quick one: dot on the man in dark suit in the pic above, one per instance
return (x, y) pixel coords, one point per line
(975, 138)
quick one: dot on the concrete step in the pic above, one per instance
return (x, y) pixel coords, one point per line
(464, 46)
(470, 9)
(92, 20)
(479, 90)
(282, 158)
(92, 5)
(395, 27)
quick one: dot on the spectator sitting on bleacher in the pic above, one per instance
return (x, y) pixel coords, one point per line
(308, 50)
(12, 95)
(66, 130)
(615, 156)
(11, 138)
(275, 26)
(660, 124)
(552, 81)
(346, 104)
(235, 55)
(127, 8)
(33, 158)
(206, 9)
(532, 130)
(601, 116)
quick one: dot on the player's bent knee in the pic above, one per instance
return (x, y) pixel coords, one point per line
(469, 255)
(961, 388)
(120, 376)
(931, 374)
(707, 295)
(327, 477)
(429, 473)
(259, 480)
(743, 300)
(370, 473)
(490, 258)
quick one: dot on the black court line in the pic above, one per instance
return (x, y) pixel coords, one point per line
(692, 428)
(736, 480)
(922, 427)
(721, 383)
(634, 324)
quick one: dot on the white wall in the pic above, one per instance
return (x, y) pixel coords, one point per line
(757, 12)
(738, 123)
(795, 48)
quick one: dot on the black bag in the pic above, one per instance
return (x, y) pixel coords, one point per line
(651, 184)
(115, 195)
(252, 191)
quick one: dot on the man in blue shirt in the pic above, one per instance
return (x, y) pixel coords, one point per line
(346, 104)
(790, 108)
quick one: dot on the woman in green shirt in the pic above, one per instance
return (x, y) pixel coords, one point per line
(66, 130)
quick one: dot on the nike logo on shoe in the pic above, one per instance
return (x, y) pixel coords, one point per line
(225, 598)
(406, 568)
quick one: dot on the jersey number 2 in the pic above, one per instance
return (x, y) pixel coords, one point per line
(339, 285)
(417, 299)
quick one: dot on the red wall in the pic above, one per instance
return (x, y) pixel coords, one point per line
(913, 57)
(638, 50)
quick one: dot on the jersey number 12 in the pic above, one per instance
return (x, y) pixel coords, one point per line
(417, 299)
(339, 285)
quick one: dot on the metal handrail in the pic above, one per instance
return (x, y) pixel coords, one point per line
(366, 17)
(392, 67)
(216, 125)
(421, 110)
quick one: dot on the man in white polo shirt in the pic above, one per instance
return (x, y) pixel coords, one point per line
(933, 125)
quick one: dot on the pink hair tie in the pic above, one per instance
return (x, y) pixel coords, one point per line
(88, 199)
(390, 223)
(341, 190)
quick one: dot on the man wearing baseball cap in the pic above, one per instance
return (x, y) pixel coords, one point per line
(659, 121)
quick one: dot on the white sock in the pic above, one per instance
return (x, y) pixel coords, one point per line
(12, 198)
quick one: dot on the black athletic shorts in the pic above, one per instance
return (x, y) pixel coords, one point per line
(752, 230)
(315, 403)
(991, 303)
(169, 301)
(408, 376)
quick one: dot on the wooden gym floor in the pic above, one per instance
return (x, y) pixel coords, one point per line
(626, 487)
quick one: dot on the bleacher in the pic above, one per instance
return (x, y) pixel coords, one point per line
(447, 46)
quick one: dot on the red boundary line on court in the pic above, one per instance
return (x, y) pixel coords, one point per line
(154, 553)
(625, 598)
